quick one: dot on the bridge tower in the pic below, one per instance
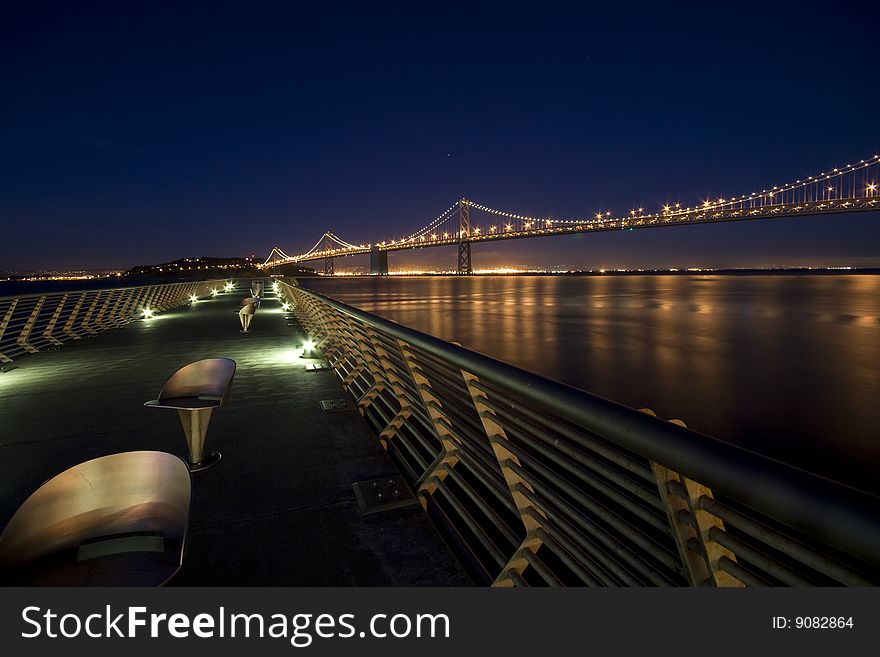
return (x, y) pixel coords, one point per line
(328, 266)
(464, 230)
(378, 261)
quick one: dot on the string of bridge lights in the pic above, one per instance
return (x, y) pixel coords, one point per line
(431, 226)
(528, 222)
(282, 256)
(677, 209)
(342, 242)
(330, 236)
(810, 180)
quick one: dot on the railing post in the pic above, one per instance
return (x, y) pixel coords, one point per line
(4, 325)
(29, 326)
(349, 348)
(85, 322)
(362, 349)
(690, 526)
(100, 324)
(371, 360)
(405, 411)
(528, 513)
(130, 309)
(47, 332)
(156, 296)
(147, 300)
(333, 342)
(310, 318)
(161, 298)
(122, 312)
(68, 325)
(448, 456)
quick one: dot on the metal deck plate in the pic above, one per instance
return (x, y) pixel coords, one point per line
(316, 367)
(329, 405)
(377, 495)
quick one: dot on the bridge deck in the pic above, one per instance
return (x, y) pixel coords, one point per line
(279, 508)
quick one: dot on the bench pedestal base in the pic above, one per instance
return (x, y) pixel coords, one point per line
(210, 459)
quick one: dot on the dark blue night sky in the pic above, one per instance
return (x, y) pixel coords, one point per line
(140, 132)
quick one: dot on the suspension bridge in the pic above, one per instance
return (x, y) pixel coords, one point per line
(842, 190)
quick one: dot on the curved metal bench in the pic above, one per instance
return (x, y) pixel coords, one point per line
(118, 520)
(195, 390)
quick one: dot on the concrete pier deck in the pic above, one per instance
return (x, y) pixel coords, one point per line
(279, 508)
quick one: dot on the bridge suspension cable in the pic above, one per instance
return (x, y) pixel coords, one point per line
(434, 224)
(850, 181)
(281, 255)
(341, 242)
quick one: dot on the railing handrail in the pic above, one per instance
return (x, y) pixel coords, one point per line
(821, 508)
(47, 293)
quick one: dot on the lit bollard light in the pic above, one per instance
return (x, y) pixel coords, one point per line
(310, 350)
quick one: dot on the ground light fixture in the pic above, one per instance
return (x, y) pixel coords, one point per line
(193, 298)
(285, 306)
(147, 312)
(309, 350)
(229, 287)
(214, 292)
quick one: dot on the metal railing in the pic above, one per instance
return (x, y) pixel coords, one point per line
(534, 482)
(37, 322)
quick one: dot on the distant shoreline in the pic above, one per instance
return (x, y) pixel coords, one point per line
(12, 287)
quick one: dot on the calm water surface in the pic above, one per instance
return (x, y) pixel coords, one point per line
(788, 365)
